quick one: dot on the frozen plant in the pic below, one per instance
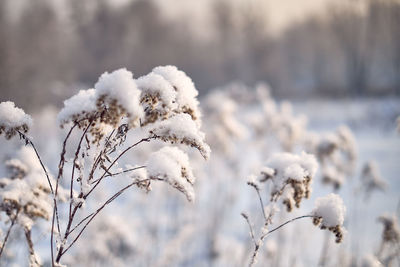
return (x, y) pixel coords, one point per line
(13, 120)
(291, 176)
(390, 244)
(159, 106)
(371, 178)
(337, 154)
(329, 214)
(25, 197)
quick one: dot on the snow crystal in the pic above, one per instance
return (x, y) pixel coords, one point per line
(331, 209)
(172, 165)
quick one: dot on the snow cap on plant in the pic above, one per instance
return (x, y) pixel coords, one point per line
(181, 129)
(329, 214)
(186, 92)
(291, 176)
(170, 164)
(13, 120)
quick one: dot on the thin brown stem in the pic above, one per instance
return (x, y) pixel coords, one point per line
(147, 139)
(29, 141)
(33, 258)
(258, 244)
(121, 172)
(8, 233)
(93, 215)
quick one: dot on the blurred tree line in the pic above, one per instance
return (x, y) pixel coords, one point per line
(46, 54)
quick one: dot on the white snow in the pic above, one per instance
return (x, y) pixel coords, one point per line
(184, 86)
(120, 85)
(331, 209)
(291, 166)
(182, 129)
(172, 165)
(155, 84)
(12, 116)
(84, 102)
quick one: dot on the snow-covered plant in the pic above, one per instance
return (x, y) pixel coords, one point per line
(391, 230)
(25, 196)
(389, 249)
(337, 155)
(13, 120)
(223, 125)
(290, 178)
(329, 214)
(159, 106)
(371, 178)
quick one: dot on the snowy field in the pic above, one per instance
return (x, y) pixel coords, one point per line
(244, 128)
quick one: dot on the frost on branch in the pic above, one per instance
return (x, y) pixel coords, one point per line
(329, 214)
(170, 164)
(13, 119)
(291, 176)
(181, 129)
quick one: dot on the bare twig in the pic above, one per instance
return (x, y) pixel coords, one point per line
(147, 139)
(30, 247)
(121, 172)
(8, 233)
(264, 235)
(29, 141)
(93, 214)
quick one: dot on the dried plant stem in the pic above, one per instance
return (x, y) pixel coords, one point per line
(30, 247)
(93, 215)
(147, 139)
(60, 173)
(84, 196)
(121, 172)
(258, 243)
(28, 141)
(8, 233)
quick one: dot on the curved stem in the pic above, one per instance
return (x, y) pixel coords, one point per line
(263, 236)
(93, 215)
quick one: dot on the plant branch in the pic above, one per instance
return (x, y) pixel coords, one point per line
(8, 233)
(93, 215)
(263, 236)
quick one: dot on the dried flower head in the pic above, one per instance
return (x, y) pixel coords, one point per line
(391, 231)
(371, 178)
(291, 176)
(181, 129)
(13, 120)
(329, 214)
(171, 165)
